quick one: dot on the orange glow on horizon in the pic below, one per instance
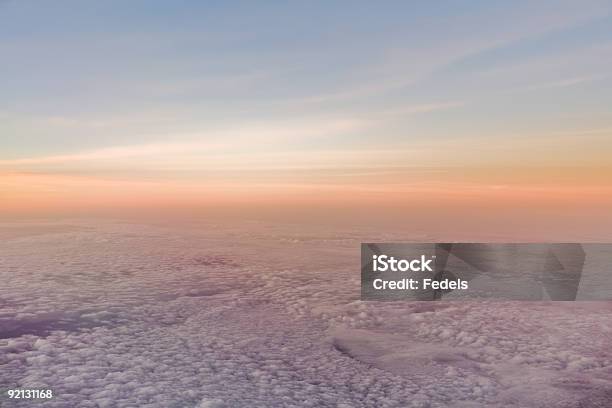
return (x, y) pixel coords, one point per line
(39, 193)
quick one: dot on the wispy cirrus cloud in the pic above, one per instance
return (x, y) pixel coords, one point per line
(562, 83)
(238, 139)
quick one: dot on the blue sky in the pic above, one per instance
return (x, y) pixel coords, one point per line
(113, 87)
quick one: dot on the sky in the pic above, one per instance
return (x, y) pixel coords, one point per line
(284, 105)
